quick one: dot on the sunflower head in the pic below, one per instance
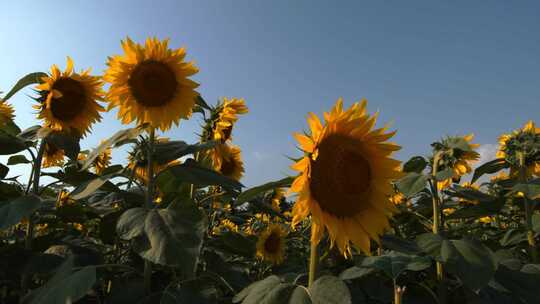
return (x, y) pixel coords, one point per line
(271, 244)
(6, 113)
(345, 177)
(227, 159)
(138, 163)
(68, 99)
(103, 160)
(457, 153)
(525, 142)
(227, 115)
(52, 156)
(275, 198)
(225, 225)
(150, 84)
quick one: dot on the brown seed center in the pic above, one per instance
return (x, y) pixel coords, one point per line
(153, 83)
(227, 166)
(340, 177)
(71, 103)
(271, 245)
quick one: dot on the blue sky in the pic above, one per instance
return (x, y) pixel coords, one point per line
(432, 68)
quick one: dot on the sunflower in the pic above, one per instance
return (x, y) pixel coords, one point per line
(6, 113)
(526, 141)
(137, 161)
(52, 156)
(150, 84)
(277, 195)
(271, 244)
(457, 153)
(103, 160)
(64, 199)
(227, 159)
(228, 115)
(345, 176)
(68, 99)
(225, 225)
(397, 198)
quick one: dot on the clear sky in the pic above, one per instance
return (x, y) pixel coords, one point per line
(433, 68)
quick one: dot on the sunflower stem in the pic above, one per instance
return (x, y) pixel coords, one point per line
(313, 259)
(436, 224)
(36, 172)
(149, 204)
(528, 209)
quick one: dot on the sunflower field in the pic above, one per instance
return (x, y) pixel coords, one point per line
(174, 224)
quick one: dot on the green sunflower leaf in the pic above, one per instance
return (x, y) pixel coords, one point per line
(27, 80)
(251, 193)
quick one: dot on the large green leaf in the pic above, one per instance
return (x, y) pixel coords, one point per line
(430, 243)
(531, 190)
(444, 174)
(412, 183)
(470, 194)
(251, 193)
(237, 243)
(355, 272)
(166, 236)
(116, 140)
(393, 264)
(490, 167)
(192, 173)
(415, 164)
(522, 285)
(472, 262)
(32, 133)
(10, 127)
(14, 211)
(257, 291)
(88, 188)
(329, 290)
(171, 150)
(192, 292)
(65, 286)
(10, 144)
(74, 177)
(300, 295)
(18, 159)
(392, 242)
(28, 79)
(536, 222)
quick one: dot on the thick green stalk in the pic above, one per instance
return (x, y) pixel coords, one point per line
(149, 204)
(528, 210)
(313, 259)
(441, 288)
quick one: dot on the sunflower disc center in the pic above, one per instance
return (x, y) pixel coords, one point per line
(340, 177)
(227, 167)
(71, 103)
(271, 245)
(153, 83)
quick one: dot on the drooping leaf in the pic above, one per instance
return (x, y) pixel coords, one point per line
(329, 290)
(192, 173)
(65, 286)
(116, 140)
(4, 170)
(415, 164)
(513, 237)
(14, 211)
(202, 103)
(490, 167)
(355, 272)
(10, 127)
(392, 242)
(472, 262)
(166, 236)
(18, 159)
(257, 291)
(171, 150)
(412, 183)
(251, 193)
(87, 188)
(393, 264)
(531, 190)
(10, 144)
(27, 80)
(30, 134)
